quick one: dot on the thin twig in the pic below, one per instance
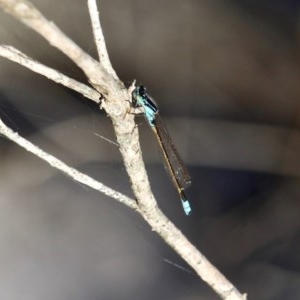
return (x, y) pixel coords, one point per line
(99, 38)
(17, 56)
(69, 171)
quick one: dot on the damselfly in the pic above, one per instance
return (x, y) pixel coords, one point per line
(175, 165)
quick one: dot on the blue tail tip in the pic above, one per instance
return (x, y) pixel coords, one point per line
(186, 207)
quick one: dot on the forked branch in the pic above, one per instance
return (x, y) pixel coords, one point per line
(115, 102)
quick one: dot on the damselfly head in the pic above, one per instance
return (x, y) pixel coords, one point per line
(141, 89)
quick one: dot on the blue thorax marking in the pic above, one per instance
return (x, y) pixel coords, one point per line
(142, 99)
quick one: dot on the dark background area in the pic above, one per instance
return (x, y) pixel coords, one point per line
(226, 77)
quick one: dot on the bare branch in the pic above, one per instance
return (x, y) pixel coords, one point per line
(176, 240)
(71, 172)
(25, 12)
(15, 55)
(116, 105)
(99, 38)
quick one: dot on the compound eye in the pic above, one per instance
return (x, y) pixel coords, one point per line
(142, 90)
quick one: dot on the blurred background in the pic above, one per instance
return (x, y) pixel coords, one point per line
(226, 77)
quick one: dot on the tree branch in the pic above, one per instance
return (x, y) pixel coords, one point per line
(25, 12)
(17, 56)
(71, 172)
(99, 38)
